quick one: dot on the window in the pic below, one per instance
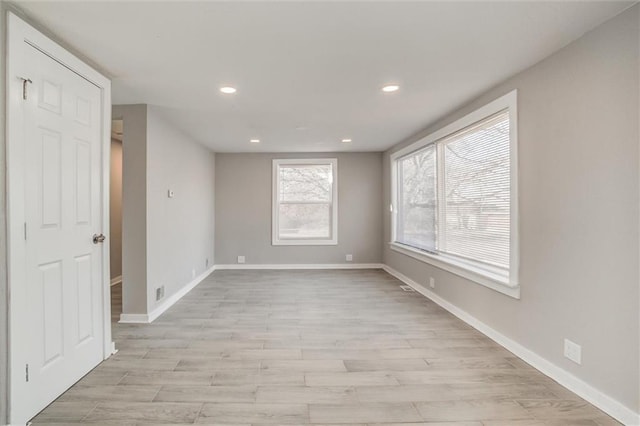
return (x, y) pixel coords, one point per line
(305, 202)
(454, 197)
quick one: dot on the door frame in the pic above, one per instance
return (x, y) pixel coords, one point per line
(19, 35)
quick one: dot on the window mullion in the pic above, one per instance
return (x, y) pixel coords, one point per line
(399, 204)
(441, 205)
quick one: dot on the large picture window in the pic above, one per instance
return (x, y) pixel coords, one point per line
(305, 202)
(454, 197)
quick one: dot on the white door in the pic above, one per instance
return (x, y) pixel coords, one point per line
(63, 333)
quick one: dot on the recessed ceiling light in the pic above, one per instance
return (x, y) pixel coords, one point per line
(390, 88)
(228, 89)
(254, 140)
(346, 140)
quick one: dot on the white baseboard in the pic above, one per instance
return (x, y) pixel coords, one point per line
(169, 302)
(604, 402)
(116, 280)
(300, 266)
(134, 319)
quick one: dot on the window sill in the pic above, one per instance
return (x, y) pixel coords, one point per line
(304, 242)
(492, 280)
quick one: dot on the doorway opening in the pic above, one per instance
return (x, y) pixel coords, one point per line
(115, 218)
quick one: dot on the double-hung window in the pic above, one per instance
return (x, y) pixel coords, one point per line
(305, 202)
(454, 198)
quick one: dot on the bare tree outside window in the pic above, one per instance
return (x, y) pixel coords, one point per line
(305, 207)
(417, 199)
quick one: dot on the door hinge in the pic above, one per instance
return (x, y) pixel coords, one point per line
(26, 372)
(24, 86)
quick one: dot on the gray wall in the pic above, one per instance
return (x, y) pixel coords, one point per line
(115, 209)
(578, 190)
(134, 207)
(180, 230)
(243, 211)
(163, 239)
(4, 347)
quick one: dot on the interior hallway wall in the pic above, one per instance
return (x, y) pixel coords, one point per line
(579, 197)
(180, 229)
(115, 207)
(134, 207)
(166, 241)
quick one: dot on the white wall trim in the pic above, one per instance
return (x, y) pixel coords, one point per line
(300, 266)
(134, 319)
(167, 303)
(116, 280)
(596, 397)
(458, 267)
(171, 300)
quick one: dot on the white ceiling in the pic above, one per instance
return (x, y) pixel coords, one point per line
(309, 74)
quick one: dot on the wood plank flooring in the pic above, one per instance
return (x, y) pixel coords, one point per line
(312, 347)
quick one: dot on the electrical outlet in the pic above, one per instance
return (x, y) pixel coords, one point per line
(240, 259)
(432, 282)
(159, 293)
(573, 351)
(349, 257)
(170, 193)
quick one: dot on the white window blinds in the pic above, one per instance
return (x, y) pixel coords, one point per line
(454, 195)
(475, 190)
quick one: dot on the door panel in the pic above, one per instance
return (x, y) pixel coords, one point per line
(83, 279)
(63, 205)
(50, 193)
(52, 308)
(50, 95)
(83, 182)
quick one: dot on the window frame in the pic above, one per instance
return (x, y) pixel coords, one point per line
(493, 278)
(275, 207)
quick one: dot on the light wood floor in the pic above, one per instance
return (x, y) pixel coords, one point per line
(313, 347)
(116, 302)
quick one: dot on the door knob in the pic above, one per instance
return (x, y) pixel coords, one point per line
(98, 238)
